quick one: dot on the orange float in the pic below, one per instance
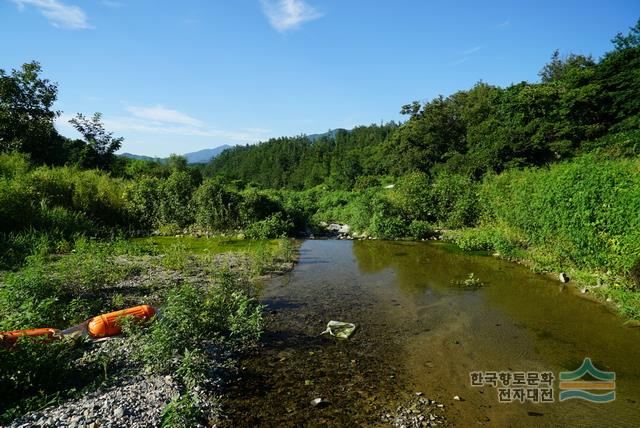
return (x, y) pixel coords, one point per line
(11, 337)
(108, 324)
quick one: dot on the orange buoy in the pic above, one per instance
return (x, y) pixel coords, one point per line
(108, 325)
(12, 336)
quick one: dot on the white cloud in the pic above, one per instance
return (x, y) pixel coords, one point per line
(472, 50)
(164, 115)
(504, 24)
(163, 121)
(129, 124)
(286, 15)
(59, 14)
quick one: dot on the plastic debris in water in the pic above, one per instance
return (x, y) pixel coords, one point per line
(340, 329)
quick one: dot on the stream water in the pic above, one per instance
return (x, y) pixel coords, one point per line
(418, 332)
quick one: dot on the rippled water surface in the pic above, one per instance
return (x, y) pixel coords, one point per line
(419, 332)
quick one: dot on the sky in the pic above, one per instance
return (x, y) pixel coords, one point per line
(180, 76)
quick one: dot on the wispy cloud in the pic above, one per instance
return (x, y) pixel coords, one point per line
(162, 114)
(158, 120)
(286, 15)
(59, 14)
(504, 24)
(460, 61)
(467, 54)
(472, 50)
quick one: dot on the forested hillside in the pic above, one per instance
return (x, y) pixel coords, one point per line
(580, 104)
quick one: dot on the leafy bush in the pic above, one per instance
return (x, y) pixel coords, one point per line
(586, 211)
(143, 201)
(225, 315)
(14, 164)
(454, 200)
(174, 204)
(385, 227)
(34, 368)
(413, 198)
(471, 239)
(216, 207)
(275, 226)
(419, 229)
(62, 292)
(256, 206)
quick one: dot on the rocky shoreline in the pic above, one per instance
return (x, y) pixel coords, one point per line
(130, 397)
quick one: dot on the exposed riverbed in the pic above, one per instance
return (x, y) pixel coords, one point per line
(421, 333)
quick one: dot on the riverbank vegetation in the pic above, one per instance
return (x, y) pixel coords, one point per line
(208, 312)
(545, 173)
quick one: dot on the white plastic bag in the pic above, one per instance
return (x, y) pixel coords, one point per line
(342, 330)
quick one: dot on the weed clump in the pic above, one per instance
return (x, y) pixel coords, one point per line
(471, 281)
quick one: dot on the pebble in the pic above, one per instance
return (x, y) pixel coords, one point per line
(119, 413)
(417, 412)
(135, 402)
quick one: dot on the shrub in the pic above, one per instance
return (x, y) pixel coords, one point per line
(216, 207)
(471, 239)
(225, 315)
(413, 198)
(176, 192)
(275, 226)
(454, 200)
(34, 367)
(14, 164)
(586, 211)
(256, 206)
(143, 202)
(420, 230)
(384, 227)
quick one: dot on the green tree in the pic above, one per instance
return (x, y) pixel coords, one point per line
(559, 68)
(176, 162)
(101, 145)
(27, 114)
(631, 40)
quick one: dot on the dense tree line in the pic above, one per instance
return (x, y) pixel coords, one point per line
(337, 159)
(578, 105)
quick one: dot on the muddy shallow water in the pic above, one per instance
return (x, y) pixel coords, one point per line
(420, 333)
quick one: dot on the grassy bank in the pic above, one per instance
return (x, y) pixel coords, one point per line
(580, 216)
(208, 310)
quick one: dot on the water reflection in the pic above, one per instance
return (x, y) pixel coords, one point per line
(420, 332)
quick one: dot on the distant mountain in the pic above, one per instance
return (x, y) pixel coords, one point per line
(205, 155)
(330, 134)
(140, 157)
(201, 156)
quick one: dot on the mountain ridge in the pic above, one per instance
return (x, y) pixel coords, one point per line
(200, 156)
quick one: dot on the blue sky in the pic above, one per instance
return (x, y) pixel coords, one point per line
(179, 76)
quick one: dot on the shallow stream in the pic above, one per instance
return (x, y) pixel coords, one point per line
(419, 332)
